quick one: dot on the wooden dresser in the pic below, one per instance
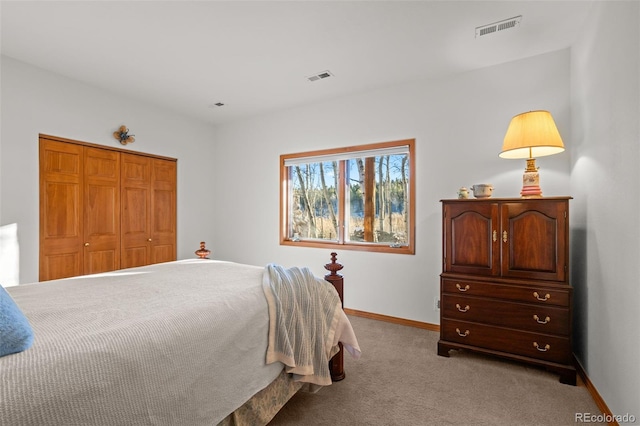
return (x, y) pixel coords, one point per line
(504, 287)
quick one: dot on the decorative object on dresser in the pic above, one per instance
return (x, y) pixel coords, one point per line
(482, 190)
(531, 134)
(504, 287)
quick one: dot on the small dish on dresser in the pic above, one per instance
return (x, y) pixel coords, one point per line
(482, 190)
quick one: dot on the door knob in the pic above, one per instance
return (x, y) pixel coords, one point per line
(86, 244)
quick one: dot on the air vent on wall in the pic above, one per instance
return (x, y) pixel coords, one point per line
(498, 26)
(320, 76)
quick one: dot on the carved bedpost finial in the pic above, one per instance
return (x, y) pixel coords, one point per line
(203, 252)
(336, 364)
(334, 266)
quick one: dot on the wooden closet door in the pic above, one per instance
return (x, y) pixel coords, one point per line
(136, 210)
(163, 210)
(148, 219)
(61, 210)
(101, 210)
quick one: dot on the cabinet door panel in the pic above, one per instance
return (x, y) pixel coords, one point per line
(534, 240)
(470, 238)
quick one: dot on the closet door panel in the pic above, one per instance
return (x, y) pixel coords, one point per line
(135, 218)
(61, 228)
(163, 208)
(101, 210)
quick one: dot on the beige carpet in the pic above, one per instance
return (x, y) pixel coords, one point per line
(400, 380)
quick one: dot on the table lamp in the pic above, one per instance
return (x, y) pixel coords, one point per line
(531, 134)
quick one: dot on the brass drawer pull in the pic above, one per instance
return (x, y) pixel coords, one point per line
(504, 237)
(466, 308)
(546, 347)
(537, 318)
(544, 299)
(459, 287)
(495, 235)
(461, 334)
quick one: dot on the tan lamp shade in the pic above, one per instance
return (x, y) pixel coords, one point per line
(532, 134)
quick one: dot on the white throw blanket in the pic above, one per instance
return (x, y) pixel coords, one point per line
(302, 307)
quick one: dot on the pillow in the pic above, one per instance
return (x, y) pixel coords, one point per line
(16, 334)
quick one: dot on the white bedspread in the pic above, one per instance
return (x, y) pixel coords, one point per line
(168, 344)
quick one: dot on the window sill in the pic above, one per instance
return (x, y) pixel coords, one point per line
(351, 246)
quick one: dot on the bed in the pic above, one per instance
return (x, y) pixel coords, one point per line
(192, 342)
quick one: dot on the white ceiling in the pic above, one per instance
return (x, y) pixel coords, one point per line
(255, 56)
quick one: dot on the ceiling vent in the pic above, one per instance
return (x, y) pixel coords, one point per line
(320, 76)
(498, 26)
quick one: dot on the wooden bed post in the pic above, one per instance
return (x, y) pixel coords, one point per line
(336, 364)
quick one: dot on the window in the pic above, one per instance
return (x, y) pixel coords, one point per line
(360, 198)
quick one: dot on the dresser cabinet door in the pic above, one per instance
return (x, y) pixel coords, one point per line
(471, 244)
(534, 240)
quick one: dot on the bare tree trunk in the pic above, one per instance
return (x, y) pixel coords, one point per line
(388, 195)
(325, 193)
(403, 170)
(360, 164)
(369, 198)
(381, 196)
(305, 195)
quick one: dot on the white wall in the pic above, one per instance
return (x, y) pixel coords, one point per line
(36, 101)
(458, 124)
(606, 216)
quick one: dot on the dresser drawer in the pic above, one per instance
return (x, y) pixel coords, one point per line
(534, 345)
(529, 294)
(521, 316)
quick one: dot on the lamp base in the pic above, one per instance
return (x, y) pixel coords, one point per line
(531, 183)
(531, 192)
